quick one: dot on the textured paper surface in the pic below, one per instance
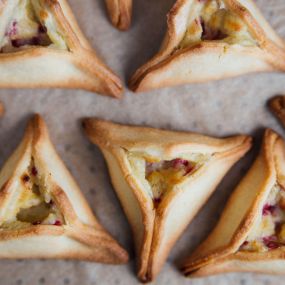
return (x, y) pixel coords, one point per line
(217, 108)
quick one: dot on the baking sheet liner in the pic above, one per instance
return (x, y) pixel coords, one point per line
(216, 108)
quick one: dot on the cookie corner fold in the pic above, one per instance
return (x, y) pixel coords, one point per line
(138, 156)
(197, 49)
(232, 245)
(53, 45)
(120, 13)
(48, 207)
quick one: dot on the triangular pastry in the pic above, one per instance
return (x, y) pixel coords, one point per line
(42, 211)
(250, 235)
(120, 12)
(41, 45)
(162, 179)
(211, 40)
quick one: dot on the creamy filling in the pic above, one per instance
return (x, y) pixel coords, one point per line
(33, 205)
(268, 232)
(30, 24)
(211, 20)
(158, 177)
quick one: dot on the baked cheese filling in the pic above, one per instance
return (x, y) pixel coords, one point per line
(211, 20)
(30, 204)
(30, 24)
(268, 231)
(159, 177)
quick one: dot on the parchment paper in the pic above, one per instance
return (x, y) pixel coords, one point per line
(217, 108)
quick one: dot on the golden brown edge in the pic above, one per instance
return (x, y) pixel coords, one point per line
(232, 155)
(102, 247)
(87, 59)
(165, 55)
(137, 137)
(2, 109)
(277, 107)
(194, 263)
(80, 55)
(120, 13)
(98, 133)
(101, 132)
(144, 82)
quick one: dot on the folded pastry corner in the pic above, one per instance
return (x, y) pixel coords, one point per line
(120, 12)
(43, 213)
(41, 45)
(277, 107)
(162, 179)
(2, 109)
(211, 40)
(250, 235)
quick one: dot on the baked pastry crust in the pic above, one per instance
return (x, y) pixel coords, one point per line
(222, 251)
(277, 107)
(120, 12)
(73, 65)
(158, 224)
(2, 109)
(211, 59)
(76, 234)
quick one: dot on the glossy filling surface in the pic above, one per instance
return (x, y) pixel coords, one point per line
(29, 23)
(30, 203)
(211, 20)
(268, 231)
(161, 176)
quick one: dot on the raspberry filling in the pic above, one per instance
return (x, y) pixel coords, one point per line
(180, 165)
(31, 25)
(34, 171)
(268, 209)
(32, 204)
(271, 242)
(211, 20)
(15, 39)
(158, 177)
(210, 34)
(26, 178)
(12, 31)
(268, 232)
(163, 175)
(57, 223)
